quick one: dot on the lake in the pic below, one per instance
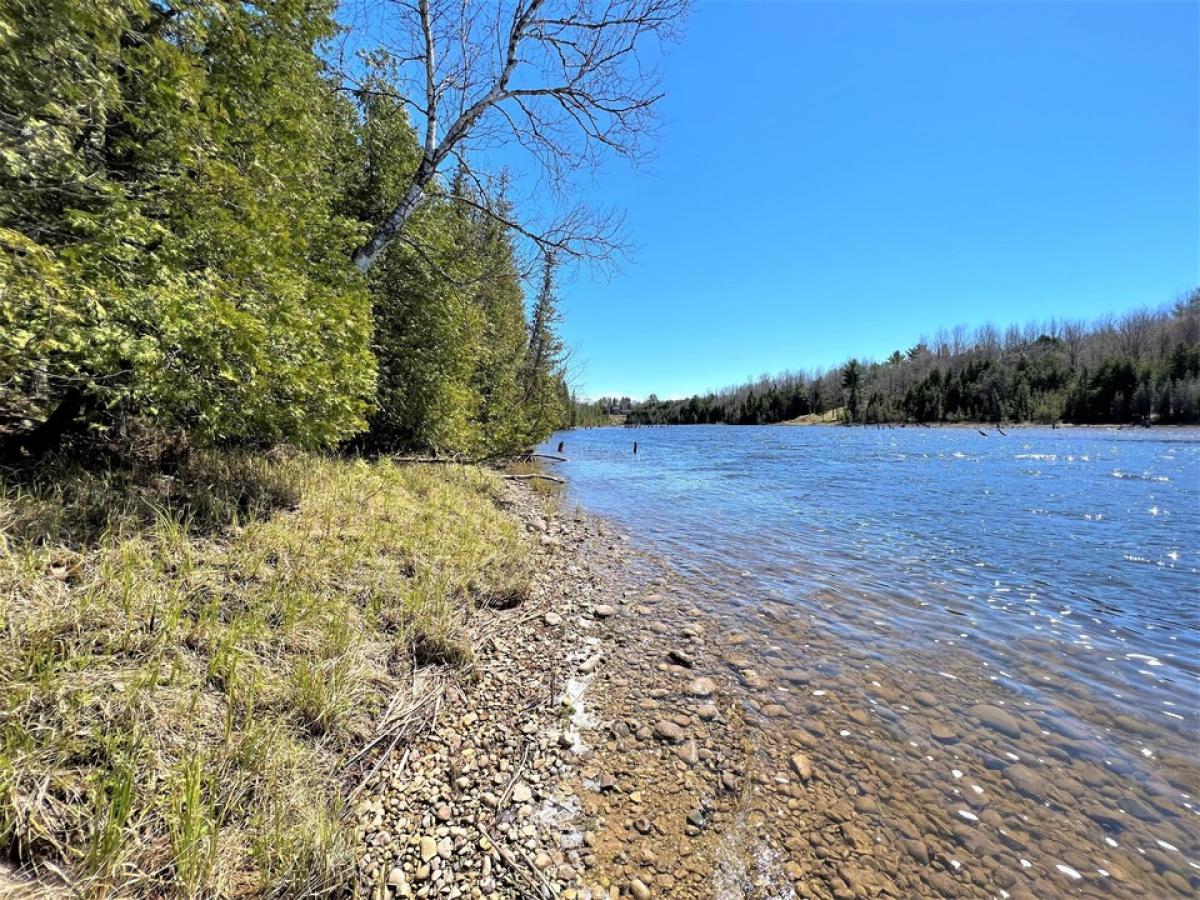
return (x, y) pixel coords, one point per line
(1005, 624)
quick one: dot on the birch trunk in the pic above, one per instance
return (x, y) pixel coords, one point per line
(366, 255)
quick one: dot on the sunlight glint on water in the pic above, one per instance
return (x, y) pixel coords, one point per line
(1054, 572)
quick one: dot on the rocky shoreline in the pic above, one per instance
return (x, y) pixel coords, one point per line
(619, 740)
(528, 783)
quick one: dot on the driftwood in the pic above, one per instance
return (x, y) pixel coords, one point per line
(531, 476)
(461, 461)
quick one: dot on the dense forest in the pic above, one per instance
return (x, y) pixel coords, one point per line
(182, 189)
(1143, 367)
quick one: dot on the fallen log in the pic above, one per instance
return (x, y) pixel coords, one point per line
(553, 478)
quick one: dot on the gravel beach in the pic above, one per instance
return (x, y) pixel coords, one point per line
(618, 740)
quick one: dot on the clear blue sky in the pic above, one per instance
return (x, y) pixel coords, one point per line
(837, 178)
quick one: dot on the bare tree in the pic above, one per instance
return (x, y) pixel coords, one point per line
(987, 341)
(1012, 337)
(958, 339)
(569, 81)
(941, 343)
(1074, 332)
(1133, 331)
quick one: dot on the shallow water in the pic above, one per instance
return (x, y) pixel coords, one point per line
(885, 585)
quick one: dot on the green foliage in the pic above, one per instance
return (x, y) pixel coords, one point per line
(180, 191)
(851, 378)
(168, 241)
(584, 414)
(545, 375)
(456, 360)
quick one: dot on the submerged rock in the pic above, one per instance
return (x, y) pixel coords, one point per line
(678, 657)
(996, 718)
(942, 734)
(802, 766)
(1027, 782)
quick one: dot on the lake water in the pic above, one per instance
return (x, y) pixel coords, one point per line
(1012, 621)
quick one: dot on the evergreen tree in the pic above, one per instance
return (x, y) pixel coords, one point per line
(851, 376)
(545, 357)
(168, 238)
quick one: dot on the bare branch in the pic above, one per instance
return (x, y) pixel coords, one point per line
(568, 81)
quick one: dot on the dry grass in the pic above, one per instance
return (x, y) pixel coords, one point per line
(829, 417)
(187, 664)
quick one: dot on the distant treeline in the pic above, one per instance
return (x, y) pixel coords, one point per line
(181, 190)
(1142, 367)
(590, 413)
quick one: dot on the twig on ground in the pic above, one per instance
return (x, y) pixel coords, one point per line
(515, 778)
(533, 876)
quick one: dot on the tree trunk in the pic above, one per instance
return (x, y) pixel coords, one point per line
(367, 255)
(47, 436)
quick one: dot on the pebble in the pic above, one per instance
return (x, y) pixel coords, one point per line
(688, 752)
(429, 849)
(680, 658)
(1026, 781)
(887, 818)
(942, 734)
(668, 731)
(802, 766)
(996, 718)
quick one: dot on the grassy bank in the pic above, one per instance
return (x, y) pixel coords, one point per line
(197, 669)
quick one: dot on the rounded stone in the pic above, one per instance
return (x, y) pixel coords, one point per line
(668, 731)
(997, 719)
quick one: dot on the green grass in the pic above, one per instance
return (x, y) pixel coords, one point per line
(187, 662)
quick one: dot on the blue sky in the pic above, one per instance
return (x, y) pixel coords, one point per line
(837, 178)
